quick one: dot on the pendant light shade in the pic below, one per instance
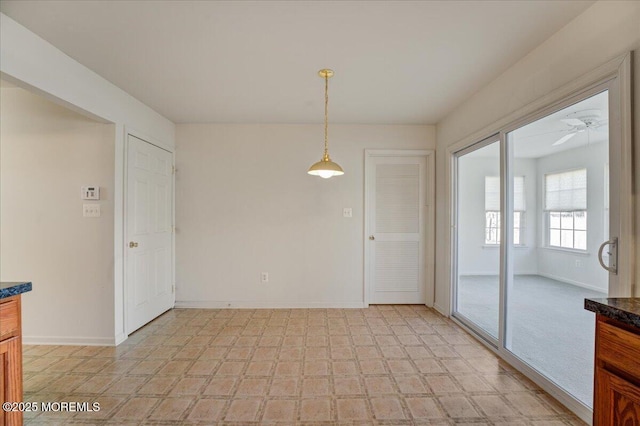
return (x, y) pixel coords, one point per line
(325, 168)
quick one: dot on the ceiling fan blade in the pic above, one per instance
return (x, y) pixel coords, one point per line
(572, 121)
(564, 138)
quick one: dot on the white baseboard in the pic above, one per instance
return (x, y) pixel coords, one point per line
(481, 274)
(120, 337)
(216, 304)
(441, 310)
(68, 341)
(572, 282)
(494, 274)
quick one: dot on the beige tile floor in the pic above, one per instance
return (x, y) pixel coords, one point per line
(385, 365)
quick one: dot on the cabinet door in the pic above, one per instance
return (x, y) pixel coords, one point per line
(10, 379)
(617, 402)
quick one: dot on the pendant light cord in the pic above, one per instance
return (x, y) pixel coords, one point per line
(326, 116)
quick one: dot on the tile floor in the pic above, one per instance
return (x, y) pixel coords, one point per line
(386, 365)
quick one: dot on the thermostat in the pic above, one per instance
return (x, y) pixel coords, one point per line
(90, 192)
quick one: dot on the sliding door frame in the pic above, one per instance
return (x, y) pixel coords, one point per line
(614, 76)
(488, 338)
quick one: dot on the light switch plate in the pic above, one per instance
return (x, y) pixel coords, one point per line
(90, 192)
(91, 210)
(347, 212)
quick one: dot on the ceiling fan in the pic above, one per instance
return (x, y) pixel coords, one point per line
(581, 121)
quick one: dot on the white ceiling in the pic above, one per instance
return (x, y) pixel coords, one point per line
(401, 62)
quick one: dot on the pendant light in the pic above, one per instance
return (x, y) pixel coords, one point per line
(326, 168)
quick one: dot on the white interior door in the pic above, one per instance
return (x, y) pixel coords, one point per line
(396, 229)
(149, 234)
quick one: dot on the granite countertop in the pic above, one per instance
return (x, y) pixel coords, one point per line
(624, 309)
(8, 289)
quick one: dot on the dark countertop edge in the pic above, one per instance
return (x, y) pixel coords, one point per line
(15, 289)
(625, 310)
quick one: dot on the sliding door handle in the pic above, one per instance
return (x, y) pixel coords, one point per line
(613, 255)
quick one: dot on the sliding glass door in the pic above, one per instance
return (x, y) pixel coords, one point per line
(478, 247)
(531, 212)
(559, 166)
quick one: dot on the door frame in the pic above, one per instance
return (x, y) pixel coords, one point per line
(122, 243)
(429, 249)
(614, 76)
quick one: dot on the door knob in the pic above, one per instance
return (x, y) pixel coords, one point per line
(371, 237)
(133, 244)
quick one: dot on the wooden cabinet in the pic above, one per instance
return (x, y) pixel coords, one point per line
(617, 374)
(10, 358)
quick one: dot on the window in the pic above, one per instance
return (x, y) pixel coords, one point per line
(568, 229)
(492, 227)
(566, 205)
(492, 209)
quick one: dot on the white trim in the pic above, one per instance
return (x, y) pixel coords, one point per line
(627, 245)
(255, 304)
(489, 274)
(120, 337)
(118, 236)
(572, 282)
(429, 276)
(442, 311)
(69, 341)
(398, 152)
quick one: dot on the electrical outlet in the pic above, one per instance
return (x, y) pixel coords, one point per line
(347, 212)
(264, 277)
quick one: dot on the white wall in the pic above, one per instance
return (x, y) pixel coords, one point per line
(604, 31)
(47, 153)
(580, 269)
(476, 258)
(31, 62)
(246, 205)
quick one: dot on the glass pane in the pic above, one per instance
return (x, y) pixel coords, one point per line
(477, 298)
(546, 324)
(566, 220)
(516, 236)
(580, 220)
(566, 238)
(580, 240)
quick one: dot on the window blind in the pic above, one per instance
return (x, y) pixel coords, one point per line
(492, 193)
(566, 191)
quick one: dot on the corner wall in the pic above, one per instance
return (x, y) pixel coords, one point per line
(32, 63)
(47, 153)
(604, 31)
(246, 205)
